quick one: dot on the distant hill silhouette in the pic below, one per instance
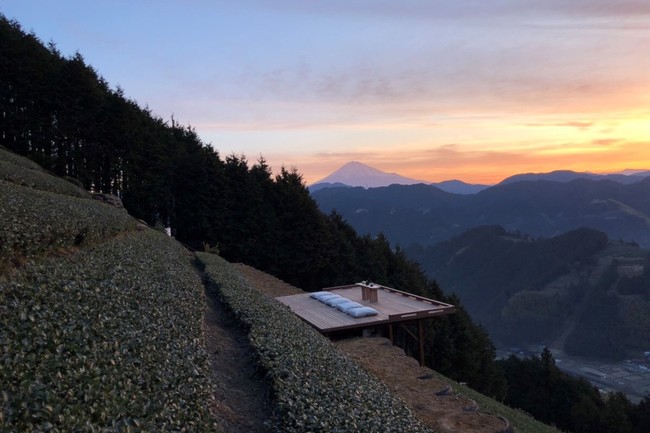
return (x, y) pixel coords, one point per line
(424, 214)
(568, 176)
(315, 187)
(459, 187)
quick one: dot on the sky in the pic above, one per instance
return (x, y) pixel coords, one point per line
(476, 90)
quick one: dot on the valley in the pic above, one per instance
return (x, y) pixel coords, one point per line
(579, 292)
(631, 377)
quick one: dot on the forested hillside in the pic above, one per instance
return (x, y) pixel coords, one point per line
(60, 112)
(531, 291)
(539, 387)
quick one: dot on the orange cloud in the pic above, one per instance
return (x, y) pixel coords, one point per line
(453, 161)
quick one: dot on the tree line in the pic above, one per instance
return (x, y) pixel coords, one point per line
(539, 387)
(61, 113)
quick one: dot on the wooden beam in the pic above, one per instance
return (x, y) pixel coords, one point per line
(408, 331)
(421, 333)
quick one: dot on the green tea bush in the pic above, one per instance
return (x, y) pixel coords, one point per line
(317, 388)
(22, 171)
(108, 340)
(12, 158)
(35, 222)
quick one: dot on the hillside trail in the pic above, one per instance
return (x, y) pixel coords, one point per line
(242, 396)
(432, 400)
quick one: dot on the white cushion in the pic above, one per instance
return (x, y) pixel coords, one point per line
(345, 306)
(325, 298)
(362, 312)
(335, 301)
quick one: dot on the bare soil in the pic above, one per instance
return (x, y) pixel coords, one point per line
(266, 283)
(432, 400)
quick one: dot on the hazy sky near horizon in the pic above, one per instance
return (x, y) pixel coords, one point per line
(435, 90)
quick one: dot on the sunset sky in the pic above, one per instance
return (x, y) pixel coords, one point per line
(434, 90)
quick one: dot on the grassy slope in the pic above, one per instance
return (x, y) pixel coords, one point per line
(521, 421)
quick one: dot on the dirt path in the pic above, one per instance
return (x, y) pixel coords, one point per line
(242, 396)
(432, 400)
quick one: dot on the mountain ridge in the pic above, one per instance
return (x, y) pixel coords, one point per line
(357, 174)
(569, 175)
(424, 214)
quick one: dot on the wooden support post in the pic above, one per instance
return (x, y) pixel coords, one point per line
(408, 331)
(390, 333)
(421, 333)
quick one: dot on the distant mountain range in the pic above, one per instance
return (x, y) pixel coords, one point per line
(355, 174)
(425, 214)
(578, 292)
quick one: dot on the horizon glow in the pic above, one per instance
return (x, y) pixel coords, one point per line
(431, 90)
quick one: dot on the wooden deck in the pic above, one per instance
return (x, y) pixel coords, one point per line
(393, 306)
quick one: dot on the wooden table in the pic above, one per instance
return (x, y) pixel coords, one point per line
(369, 293)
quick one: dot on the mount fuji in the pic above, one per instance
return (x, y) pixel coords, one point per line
(358, 174)
(355, 174)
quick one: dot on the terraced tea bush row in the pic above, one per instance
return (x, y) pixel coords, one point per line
(12, 158)
(108, 340)
(317, 388)
(35, 222)
(22, 171)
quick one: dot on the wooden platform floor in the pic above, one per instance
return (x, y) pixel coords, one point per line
(393, 306)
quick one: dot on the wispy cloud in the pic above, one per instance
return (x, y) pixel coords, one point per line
(435, 9)
(579, 125)
(606, 141)
(573, 124)
(347, 156)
